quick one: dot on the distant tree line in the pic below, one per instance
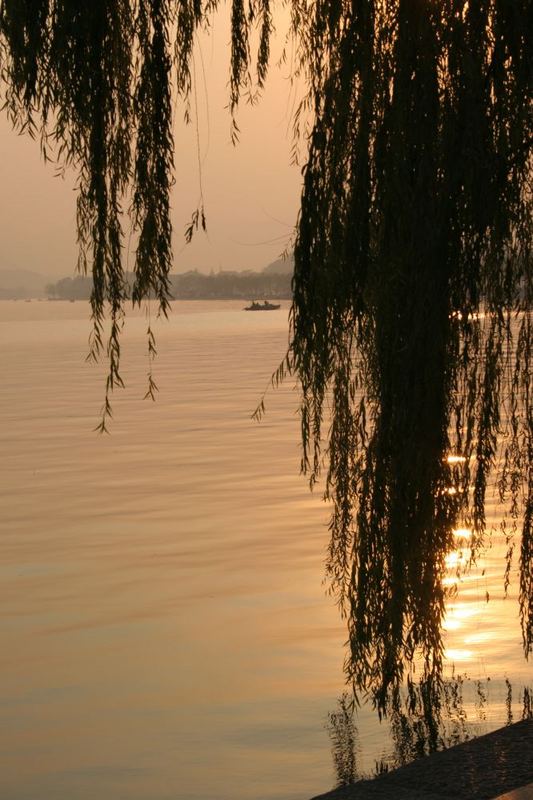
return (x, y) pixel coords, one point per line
(193, 285)
(225, 284)
(78, 288)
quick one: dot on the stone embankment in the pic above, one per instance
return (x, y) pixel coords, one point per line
(480, 769)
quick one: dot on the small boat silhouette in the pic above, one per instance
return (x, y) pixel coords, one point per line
(264, 306)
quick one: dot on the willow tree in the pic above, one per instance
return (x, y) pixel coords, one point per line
(412, 305)
(411, 321)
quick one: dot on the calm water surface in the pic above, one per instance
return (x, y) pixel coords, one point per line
(165, 628)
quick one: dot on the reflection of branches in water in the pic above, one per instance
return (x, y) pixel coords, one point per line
(509, 701)
(343, 734)
(433, 717)
(481, 700)
(527, 705)
(524, 700)
(426, 719)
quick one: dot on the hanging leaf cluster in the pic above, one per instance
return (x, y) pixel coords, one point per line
(411, 322)
(96, 83)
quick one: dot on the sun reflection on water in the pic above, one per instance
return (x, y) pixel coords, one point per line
(463, 611)
(455, 559)
(453, 459)
(462, 533)
(458, 655)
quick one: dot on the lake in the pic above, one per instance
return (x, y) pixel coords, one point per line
(166, 632)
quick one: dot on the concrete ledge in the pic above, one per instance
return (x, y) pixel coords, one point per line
(481, 769)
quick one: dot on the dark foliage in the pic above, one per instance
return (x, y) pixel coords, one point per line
(411, 320)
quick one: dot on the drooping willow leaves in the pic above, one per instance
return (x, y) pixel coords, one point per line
(411, 322)
(95, 81)
(412, 305)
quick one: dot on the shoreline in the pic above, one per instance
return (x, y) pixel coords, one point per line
(480, 769)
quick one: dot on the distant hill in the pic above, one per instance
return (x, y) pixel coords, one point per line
(21, 283)
(283, 266)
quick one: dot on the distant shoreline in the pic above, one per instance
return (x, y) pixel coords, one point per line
(194, 285)
(272, 282)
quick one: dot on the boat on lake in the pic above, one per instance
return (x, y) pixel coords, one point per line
(264, 306)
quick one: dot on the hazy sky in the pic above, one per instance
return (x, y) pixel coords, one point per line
(251, 192)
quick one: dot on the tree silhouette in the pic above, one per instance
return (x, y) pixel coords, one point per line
(411, 321)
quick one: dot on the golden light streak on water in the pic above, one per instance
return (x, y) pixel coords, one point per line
(449, 581)
(462, 611)
(462, 533)
(458, 655)
(456, 459)
(455, 559)
(479, 637)
(452, 624)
